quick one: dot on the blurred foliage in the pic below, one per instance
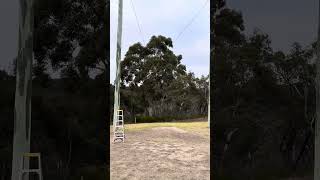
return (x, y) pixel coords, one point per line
(262, 102)
(149, 119)
(69, 98)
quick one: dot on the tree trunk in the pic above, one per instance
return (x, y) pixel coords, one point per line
(306, 101)
(22, 109)
(209, 100)
(69, 157)
(317, 123)
(3, 172)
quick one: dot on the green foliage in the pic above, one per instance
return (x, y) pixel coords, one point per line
(149, 119)
(265, 97)
(68, 114)
(70, 36)
(155, 83)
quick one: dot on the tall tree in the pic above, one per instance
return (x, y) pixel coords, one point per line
(22, 109)
(152, 69)
(70, 35)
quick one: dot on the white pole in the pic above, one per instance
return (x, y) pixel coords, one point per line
(22, 107)
(118, 60)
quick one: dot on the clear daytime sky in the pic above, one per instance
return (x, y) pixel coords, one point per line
(168, 18)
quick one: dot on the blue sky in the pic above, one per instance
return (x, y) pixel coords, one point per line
(168, 18)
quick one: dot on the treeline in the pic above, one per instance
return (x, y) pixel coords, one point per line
(69, 114)
(68, 128)
(155, 86)
(263, 103)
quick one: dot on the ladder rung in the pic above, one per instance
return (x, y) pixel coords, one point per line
(25, 171)
(122, 138)
(119, 131)
(119, 126)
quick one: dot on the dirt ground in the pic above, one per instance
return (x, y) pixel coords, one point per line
(161, 153)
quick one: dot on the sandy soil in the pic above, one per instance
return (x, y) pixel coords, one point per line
(162, 153)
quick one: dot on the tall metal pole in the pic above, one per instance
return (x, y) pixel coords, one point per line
(209, 102)
(22, 107)
(118, 60)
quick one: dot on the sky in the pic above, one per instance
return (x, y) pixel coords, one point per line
(168, 18)
(8, 32)
(286, 21)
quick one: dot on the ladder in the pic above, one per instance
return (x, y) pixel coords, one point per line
(27, 171)
(119, 127)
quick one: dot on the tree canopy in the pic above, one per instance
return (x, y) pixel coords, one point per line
(156, 83)
(263, 101)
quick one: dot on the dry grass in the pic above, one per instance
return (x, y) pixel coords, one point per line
(164, 151)
(200, 128)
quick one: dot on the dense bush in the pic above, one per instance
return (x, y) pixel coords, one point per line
(149, 119)
(262, 104)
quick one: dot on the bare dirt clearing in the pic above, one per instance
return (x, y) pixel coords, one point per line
(164, 152)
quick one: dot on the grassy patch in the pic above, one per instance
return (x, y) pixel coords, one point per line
(194, 127)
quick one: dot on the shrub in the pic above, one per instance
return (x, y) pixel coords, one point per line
(149, 119)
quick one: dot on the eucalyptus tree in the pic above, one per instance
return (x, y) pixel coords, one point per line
(152, 69)
(70, 36)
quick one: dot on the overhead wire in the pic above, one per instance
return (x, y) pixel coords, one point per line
(191, 21)
(137, 20)
(180, 33)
